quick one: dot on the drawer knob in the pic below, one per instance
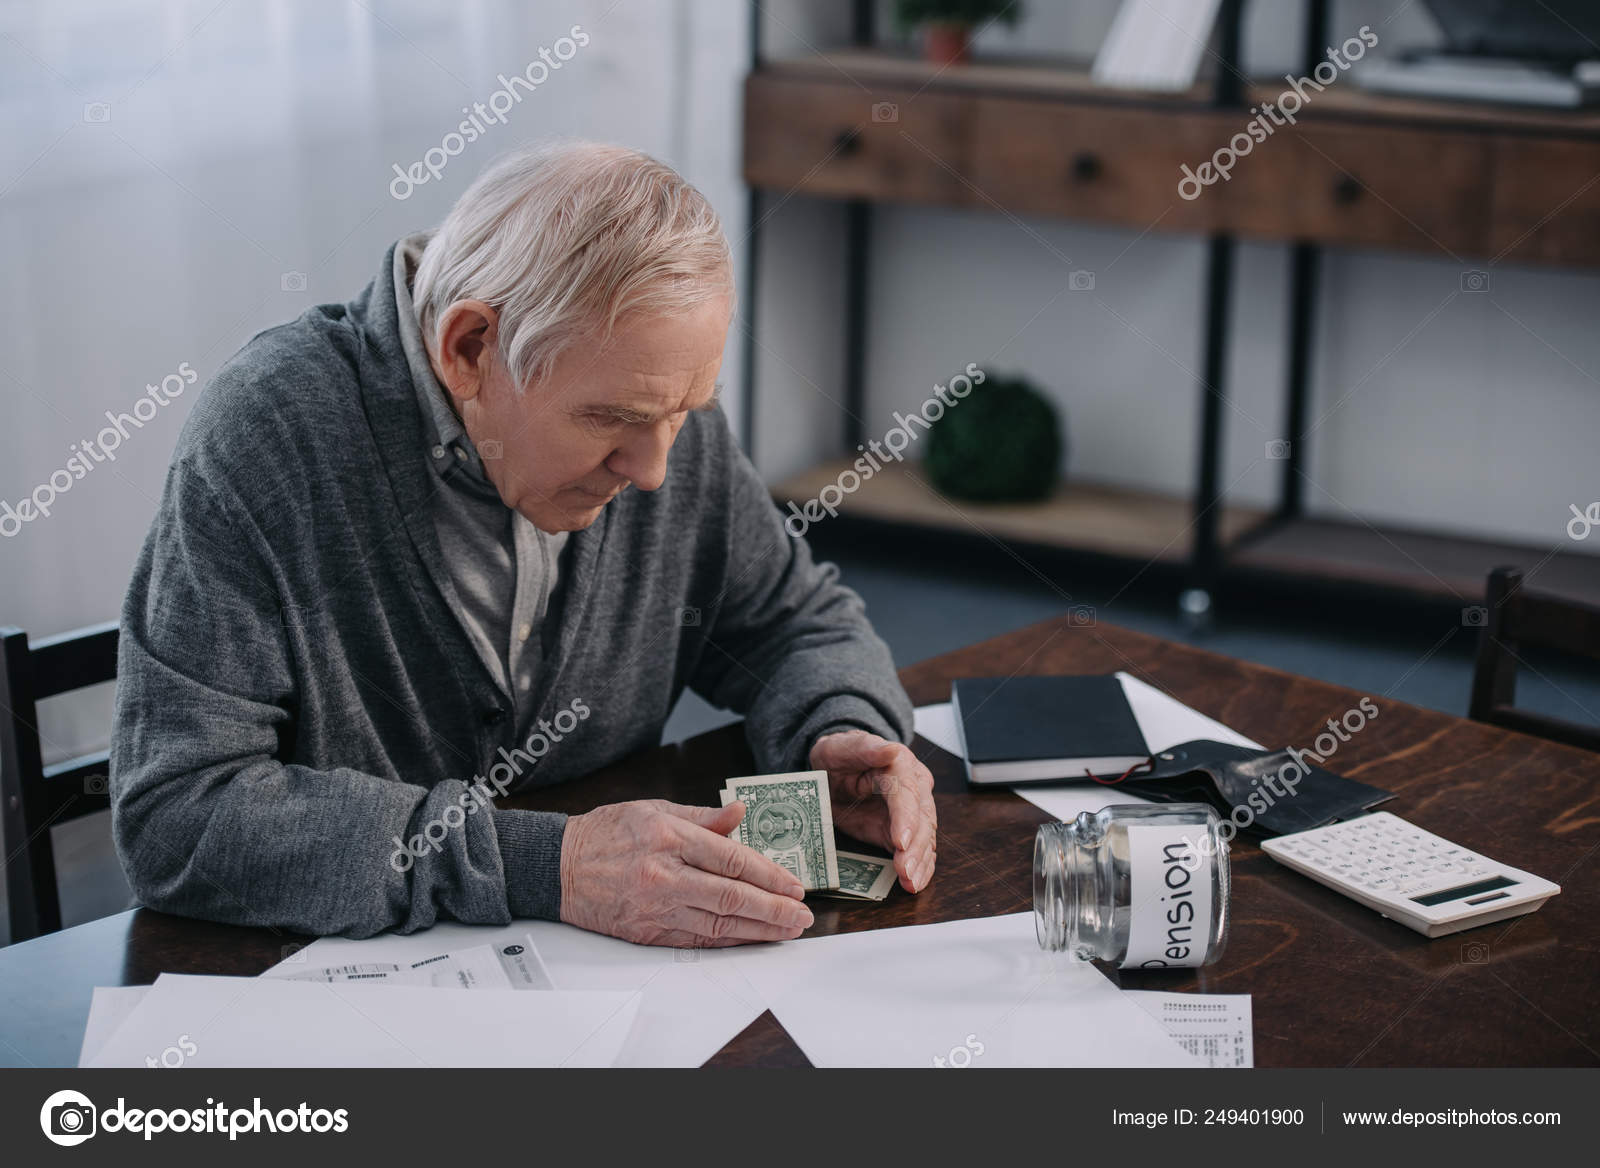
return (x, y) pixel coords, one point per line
(1346, 190)
(1086, 166)
(847, 142)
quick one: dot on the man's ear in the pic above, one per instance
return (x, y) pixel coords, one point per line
(468, 334)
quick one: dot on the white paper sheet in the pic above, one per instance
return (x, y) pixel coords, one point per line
(1166, 722)
(978, 993)
(691, 1004)
(1067, 800)
(273, 1022)
(108, 1009)
(1216, 1027)
(937, 723)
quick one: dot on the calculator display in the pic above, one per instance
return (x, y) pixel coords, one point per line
(1462, 892)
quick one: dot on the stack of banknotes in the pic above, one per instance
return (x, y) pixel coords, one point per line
(789, 819)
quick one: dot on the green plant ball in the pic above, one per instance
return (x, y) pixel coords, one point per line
(1002, 443)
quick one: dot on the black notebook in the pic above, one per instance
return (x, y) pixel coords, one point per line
(1043, 729)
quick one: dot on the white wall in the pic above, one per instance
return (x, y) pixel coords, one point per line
(1467, 412)
(246, 141)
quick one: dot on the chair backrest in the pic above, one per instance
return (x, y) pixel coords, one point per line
(38, 797)
(1517, 618)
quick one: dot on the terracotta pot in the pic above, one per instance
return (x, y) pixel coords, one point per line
(946, 44)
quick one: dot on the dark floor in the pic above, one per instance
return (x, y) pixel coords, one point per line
(923, 605)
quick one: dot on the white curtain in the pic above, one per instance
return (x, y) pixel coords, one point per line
(177, 175)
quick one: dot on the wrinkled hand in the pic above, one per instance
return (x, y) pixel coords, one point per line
(659, 873)
(883, 795)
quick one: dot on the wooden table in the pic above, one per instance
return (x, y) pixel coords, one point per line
(1333, 983)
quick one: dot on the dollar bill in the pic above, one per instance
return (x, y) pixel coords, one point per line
(863, 877)
(789, 819)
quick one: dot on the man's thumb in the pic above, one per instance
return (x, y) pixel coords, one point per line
(855, 747)
(721, 820)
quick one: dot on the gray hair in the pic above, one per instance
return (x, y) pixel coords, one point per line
(564, 239)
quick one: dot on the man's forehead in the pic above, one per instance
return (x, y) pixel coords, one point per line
(658, 366)
(651, 396)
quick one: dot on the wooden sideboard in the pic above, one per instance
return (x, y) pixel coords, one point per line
(1475, 185)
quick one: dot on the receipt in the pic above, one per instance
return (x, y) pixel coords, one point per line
(513, 966)
(1215, 1027)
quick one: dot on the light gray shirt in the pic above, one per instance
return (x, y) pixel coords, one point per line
(502, 569)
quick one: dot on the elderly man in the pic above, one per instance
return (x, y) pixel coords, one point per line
(428, 545)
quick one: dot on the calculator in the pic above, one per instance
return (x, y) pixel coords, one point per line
(1409, 875)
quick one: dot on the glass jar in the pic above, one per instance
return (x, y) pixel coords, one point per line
(1144, 887)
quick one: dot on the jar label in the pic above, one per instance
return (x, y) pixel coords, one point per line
(1170, 915)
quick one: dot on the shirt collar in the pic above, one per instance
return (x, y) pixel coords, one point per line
(450, 452)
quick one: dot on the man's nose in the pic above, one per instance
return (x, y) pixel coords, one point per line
(643, 460)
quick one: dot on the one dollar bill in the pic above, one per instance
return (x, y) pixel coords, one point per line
(863, 877)
(789, 819)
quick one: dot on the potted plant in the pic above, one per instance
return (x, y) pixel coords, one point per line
(1004, 444)
(947, 24)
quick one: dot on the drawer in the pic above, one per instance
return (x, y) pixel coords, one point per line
(886, 142)
(1546, 201)
(1097, 161)
(1375, 186)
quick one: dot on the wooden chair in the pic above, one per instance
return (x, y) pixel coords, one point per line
(1516, 618)
(38, 797)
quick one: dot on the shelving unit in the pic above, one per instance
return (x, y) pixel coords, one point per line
(1036, 139)
(1111, 521)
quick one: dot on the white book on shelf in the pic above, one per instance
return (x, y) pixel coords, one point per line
(1156, 44)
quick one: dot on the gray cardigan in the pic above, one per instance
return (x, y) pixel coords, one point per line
(304, 730)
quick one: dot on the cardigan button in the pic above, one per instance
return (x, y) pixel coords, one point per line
(493, 716)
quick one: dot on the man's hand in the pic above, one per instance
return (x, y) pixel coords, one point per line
(883, 795)
(659, 873)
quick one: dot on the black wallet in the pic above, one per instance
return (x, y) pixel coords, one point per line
(1267, 792)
